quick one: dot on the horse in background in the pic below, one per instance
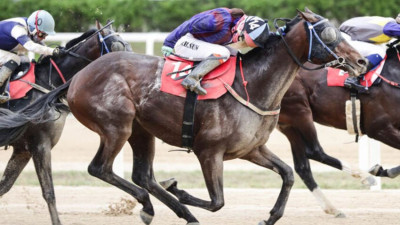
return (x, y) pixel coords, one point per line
(310, 100)
(122, 101)
(36, 140)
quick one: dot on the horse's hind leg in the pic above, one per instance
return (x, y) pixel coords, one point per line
(15, 165)
(302, 168)
(42, 160)
(142, 144)
(265, 158)
(101, 167)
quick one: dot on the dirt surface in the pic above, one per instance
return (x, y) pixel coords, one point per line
(87, 205)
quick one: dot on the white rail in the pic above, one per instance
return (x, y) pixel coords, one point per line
(148, 38)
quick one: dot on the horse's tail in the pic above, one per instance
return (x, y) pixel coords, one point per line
(13, 124)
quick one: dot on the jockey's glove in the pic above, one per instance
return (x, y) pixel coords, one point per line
(57, 52)
(166, 51)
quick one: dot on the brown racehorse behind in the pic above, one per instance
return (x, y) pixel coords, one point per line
(118, 96)
(36, 140)
(310, 100)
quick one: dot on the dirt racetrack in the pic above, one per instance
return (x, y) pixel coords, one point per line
(86, 205)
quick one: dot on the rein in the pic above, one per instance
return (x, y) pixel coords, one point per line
(247, 102)
(69, 52)
(312, 33)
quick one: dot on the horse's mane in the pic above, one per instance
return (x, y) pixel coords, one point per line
(273, 41)
(46, 59)
(78, 39)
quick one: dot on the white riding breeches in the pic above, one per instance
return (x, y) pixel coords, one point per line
(6, 56)
(365, 48)
(197, 50)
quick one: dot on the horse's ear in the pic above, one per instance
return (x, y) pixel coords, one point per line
(110, 26)
(308, 10)
(308, 16)
(98, 25)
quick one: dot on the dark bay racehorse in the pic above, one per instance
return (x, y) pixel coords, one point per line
(36, 140)
(122, 101)
(310, 100)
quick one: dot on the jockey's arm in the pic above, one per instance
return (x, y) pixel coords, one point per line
(21, 35)
(392, 29)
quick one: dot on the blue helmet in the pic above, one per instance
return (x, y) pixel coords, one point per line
(41, 21)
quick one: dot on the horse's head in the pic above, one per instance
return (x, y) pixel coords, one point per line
(110, 40)
(325, 44)
(96, 42)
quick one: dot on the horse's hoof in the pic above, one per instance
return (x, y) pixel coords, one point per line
(262, 223)
(375, 169)
(340, 215)
(146, 218)
(168, 183)
(193, 223)
(369, 181)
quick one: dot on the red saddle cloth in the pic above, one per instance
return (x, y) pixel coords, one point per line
(336, 77)
(18, 88)
(212, 82)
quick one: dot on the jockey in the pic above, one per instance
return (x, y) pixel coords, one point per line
(19, 35)
(210, 37)
(368, 35)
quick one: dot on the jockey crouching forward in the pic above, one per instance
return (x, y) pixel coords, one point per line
(368, 35)
(205, 37)
(20, 35)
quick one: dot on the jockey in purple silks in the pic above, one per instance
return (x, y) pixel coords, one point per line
(211, 37)
(369, 34)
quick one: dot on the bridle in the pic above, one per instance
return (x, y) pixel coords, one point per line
(104, 49)
(311, 33)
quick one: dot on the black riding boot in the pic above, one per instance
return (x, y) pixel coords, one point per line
(192, 81)
(5, 72)
(354, 82)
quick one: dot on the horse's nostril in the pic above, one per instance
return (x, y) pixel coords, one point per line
(362, 62)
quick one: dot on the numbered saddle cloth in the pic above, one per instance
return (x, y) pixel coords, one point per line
(213, 82)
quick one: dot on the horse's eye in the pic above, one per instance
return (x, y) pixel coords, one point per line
(117, 46)
(329, 35)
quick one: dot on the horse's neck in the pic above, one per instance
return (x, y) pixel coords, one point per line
(392, 65)
(48, 76)
(270, 74)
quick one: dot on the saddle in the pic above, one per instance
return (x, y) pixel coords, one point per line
(336, 77)
(21, 71)
(18, 86)
(176, 68)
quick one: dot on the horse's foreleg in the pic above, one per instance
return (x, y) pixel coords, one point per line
(262, 156)
(143, 147)
(378, 170)
(42, 160)
(212, 167)
(15, 165)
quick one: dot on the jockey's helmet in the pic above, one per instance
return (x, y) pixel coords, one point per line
(41, 23)
(251, 29)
